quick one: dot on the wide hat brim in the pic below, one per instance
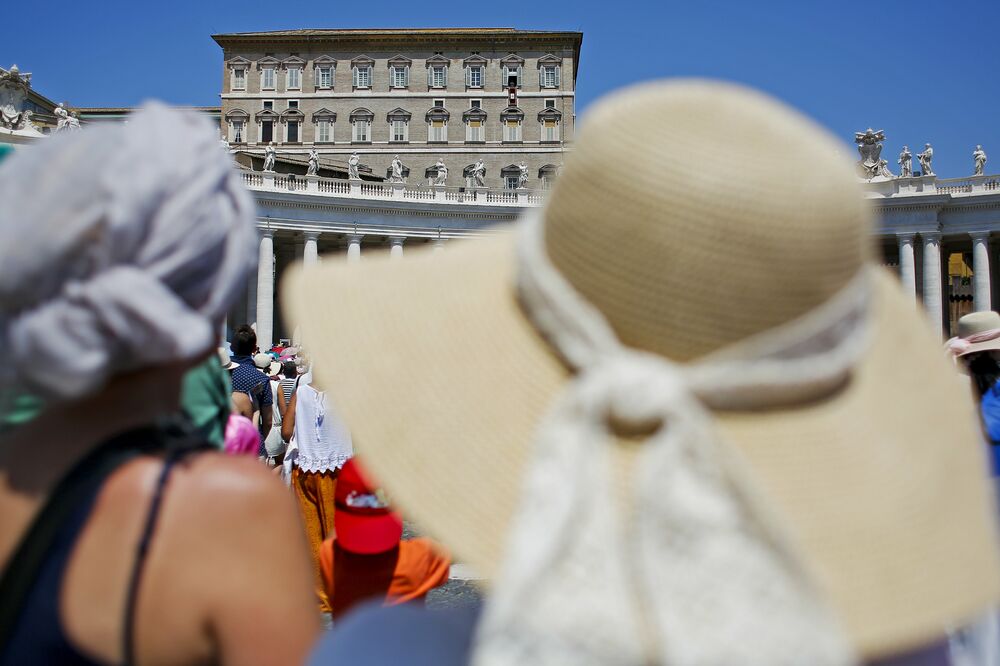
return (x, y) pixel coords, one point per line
(442, 381)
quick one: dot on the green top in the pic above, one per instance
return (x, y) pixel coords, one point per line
(205, 398)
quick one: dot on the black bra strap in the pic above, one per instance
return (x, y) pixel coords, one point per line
(128, 630)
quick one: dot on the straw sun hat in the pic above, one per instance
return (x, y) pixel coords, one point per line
(977, 332)
(692, 214)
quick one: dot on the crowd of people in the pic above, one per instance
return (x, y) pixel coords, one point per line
(771, 464)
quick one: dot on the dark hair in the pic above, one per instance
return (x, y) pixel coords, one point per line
(244, 341)
(290, 369)
(985, 371)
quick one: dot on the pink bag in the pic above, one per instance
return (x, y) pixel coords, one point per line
(241, 436)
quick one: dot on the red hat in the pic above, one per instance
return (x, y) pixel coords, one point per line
(362, 518)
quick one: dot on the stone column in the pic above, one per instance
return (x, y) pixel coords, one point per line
(932, 279)
(265, 289)
(907, 264)
(310, 253)
(354, 248)
(982, 299)
(396, 246)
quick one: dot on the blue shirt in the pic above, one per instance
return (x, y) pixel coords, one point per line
(989, 407)
(248, 379)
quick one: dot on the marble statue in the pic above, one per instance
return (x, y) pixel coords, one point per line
(270, 155)
(905, 163)
(442, 173)
(313, 169)
(925, 160)
(14, 88)
(870, 147)
(397, 170)
(352, 166)
(479, 173)
(522, 178)
(74, 121)
(979, 158)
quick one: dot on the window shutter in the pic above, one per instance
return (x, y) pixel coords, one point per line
(354, 71)
(468, 77)
(446, 76)
(430, 77)
(557, 75)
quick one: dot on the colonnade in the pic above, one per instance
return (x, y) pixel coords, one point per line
(261, 299)
(932, 287)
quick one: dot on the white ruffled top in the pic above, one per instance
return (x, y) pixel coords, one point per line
(321, 436)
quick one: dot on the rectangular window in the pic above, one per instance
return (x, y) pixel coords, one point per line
(237, 131)
(239, 79)
(400, 77)
(474, 131)
(511, 76)
(361, 131)
(550, 130)
(294, 78)
(363, 77)
(549, 77)
(550, 104)
(325, 77)
(323, 131)
(293, 104)
(399, 130)
(511, 182)
(439, 102)
(512, 130)
(438, 131)
(474, 77)
(475, 103)
(267, 78)
(269, 104)
(438, 76)
(292, 134)
(266, 131)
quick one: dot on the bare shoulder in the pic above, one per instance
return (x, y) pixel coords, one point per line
(231, 485)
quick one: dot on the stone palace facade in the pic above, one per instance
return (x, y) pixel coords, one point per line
(499, 95)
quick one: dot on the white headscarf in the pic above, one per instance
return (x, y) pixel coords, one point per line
(121, 247)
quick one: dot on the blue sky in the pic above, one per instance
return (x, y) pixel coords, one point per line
(923, 71)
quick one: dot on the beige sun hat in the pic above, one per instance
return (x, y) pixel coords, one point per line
(977, 332)
(735, 215)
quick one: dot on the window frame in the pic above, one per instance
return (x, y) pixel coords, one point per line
(268, 72)
(320, 125)
(395, 71)
(233, 85)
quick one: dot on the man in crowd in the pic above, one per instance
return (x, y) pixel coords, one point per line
(251, 388)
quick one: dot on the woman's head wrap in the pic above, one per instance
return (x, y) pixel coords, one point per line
(121, 247)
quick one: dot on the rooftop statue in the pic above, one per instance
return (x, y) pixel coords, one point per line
(313, 169)
(979, 159)
(925, 160)
(397, 170)
(870, 147)
(14, 88)
(442, 173)
(905, 163)
(270, 155)
(479, 173)
(352, 166)
(522, 178)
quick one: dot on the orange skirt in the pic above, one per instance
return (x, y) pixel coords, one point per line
(315, 492)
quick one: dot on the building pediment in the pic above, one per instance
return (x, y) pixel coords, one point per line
(438, 113)
(268, 61)
(238, 62)
(293, 61)
(266, 114)
(237, 114)
(292, 114)
(399, 60)
(512, 113)
(324, 114)
(437, 59)
(550, 114)
(362, 61)
(474, 60)
(325, 61)
(473, 114)
(361, 113)
(512, 60)
(549, 59)
(398, 114)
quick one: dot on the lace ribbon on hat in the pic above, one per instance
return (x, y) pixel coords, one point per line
(701, 571)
